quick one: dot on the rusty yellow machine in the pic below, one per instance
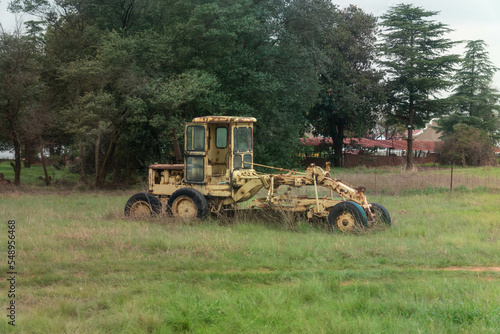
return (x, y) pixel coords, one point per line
(218, 172)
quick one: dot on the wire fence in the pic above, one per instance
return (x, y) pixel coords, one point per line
(394, 182)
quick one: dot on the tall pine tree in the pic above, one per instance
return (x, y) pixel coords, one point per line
(415, 60)
(476, 100)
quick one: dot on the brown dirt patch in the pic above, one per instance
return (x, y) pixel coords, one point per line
(260, 270)
(479, 269)
(346, 283)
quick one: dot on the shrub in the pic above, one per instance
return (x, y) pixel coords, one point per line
(467, 146)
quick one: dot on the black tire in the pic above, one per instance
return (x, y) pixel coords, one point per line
(381, 214)
(347, 217)
(188, 203)
(142, 205)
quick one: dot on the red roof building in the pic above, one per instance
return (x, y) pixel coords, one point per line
(397, 144)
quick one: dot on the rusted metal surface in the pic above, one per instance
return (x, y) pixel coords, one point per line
(184, 207)
(167, 166)
(345, 222)
(313, 206)
(224, 119)
(140, 209)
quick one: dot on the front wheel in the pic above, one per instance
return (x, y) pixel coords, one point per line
(142, 205)
(347, 217)
(188, 203)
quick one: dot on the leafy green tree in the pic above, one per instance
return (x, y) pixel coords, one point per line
(475, 99)
(123, 73)
(351, 92)
(93, 86)
(20, 87)
(261, 62)
(417, 66)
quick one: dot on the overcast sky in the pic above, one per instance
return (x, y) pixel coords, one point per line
(7, 20)
(470, 19)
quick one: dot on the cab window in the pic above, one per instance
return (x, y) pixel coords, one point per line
(195, 138)
(195, 172)
(221, 138)
(242, 139)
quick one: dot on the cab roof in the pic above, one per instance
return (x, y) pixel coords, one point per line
(224, 119)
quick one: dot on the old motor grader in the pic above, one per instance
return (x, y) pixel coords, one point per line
(218, 172)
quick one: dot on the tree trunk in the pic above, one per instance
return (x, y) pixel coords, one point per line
(338, 146)
(30, 152)
(409, 153)
(17, 162)
(96, 154)
(82, 159)
(107, 159)
(44, 164)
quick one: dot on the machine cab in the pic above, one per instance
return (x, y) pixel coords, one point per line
(216, 146)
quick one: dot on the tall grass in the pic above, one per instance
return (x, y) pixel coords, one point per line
(84, 268)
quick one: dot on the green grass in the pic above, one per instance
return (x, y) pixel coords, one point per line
(31, 176)
(83, 268)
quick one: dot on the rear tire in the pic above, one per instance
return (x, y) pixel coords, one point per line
(347, 217)
(188, 203)
(142, 205)
(381, 214)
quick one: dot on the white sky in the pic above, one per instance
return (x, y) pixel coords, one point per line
(470, 20)
(8, 20)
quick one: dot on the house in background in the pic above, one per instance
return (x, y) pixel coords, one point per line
(375, 152)
(429, 133)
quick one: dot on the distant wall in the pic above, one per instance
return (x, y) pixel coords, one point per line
(355, 160)
(7, 155)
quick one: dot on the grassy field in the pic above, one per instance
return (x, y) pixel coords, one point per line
(83, 268)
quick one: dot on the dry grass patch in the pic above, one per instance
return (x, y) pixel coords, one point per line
(479, 269)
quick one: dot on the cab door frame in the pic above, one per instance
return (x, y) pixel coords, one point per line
(196, 145)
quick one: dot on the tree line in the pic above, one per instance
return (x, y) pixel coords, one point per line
(108, 81)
